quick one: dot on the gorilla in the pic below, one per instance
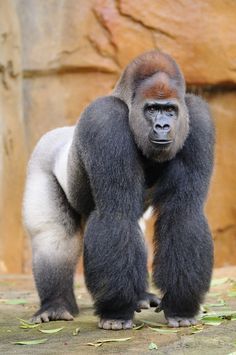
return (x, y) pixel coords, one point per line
(149, 143)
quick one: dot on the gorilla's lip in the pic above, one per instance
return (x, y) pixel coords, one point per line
(161, 141)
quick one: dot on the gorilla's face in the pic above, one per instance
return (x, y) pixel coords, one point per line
(162, 116)
(160, 126)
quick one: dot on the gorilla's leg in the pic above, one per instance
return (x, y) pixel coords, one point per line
(53, 227)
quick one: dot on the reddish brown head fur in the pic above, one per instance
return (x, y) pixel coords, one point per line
(153, 62)
(158, 86)
(154, 74)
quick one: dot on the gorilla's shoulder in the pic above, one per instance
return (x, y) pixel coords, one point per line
(194, 103)
(200, 120)
(106, 105)
(105, 119)
(199, 111)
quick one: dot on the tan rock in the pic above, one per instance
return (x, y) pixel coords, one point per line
(12, 145)
(221, 206)
(200, 35)
(58, 100)
(129, 38)
(59, 36)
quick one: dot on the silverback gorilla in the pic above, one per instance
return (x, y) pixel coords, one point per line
(147, 144)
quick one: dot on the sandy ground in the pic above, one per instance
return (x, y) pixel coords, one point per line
(215, 340)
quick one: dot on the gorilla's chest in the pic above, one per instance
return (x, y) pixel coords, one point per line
(152, 172)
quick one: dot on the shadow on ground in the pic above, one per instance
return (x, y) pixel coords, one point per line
(215, 340)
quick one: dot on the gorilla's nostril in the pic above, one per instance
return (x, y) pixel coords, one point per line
(166, 127)
(158, 126)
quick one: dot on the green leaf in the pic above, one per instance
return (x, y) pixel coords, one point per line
(24, 324)
(138, 327)
(30, 342)
(29, 326)
(94, 344)
(219, 304)
(51, 331)
(213, 294)
(16, 301)
(112, 340)
(217, 282)
(7, 283)
(234, 353)
(212, 320)
(232, 293)
(204, 308)
(220, 314)
(152, 346)
(24, 321)
(76, 331)
(223, 314)
(153, 324)
(196, 329)
(99, 342)
(164, 331)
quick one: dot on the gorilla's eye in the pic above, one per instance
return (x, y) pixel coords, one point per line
(170, 109)
(151, 108)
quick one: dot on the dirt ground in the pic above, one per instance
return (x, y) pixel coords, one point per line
(18, 299)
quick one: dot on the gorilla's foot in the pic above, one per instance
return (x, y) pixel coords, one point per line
(115, 324)
(176, 322)
(53, 312)
(147, 301)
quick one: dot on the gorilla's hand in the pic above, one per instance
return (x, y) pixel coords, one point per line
(148, 300)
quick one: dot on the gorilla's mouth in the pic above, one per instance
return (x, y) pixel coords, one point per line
(161, 142)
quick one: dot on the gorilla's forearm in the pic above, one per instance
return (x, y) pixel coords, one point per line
(183, 260)
(115, 264)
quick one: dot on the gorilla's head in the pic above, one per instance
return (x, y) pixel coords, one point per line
(153, 87)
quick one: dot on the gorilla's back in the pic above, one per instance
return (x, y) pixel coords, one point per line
(51, 153)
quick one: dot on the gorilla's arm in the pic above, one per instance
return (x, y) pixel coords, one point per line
(114, 251)
(184, 253)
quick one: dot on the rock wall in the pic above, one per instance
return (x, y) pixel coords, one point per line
(12, 141)
(60, 55)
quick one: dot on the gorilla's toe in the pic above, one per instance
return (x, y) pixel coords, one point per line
(51, 314)
(115, 324)
(176, 322)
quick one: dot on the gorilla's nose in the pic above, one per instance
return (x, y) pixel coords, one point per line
(160, 128)
(161, 134)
